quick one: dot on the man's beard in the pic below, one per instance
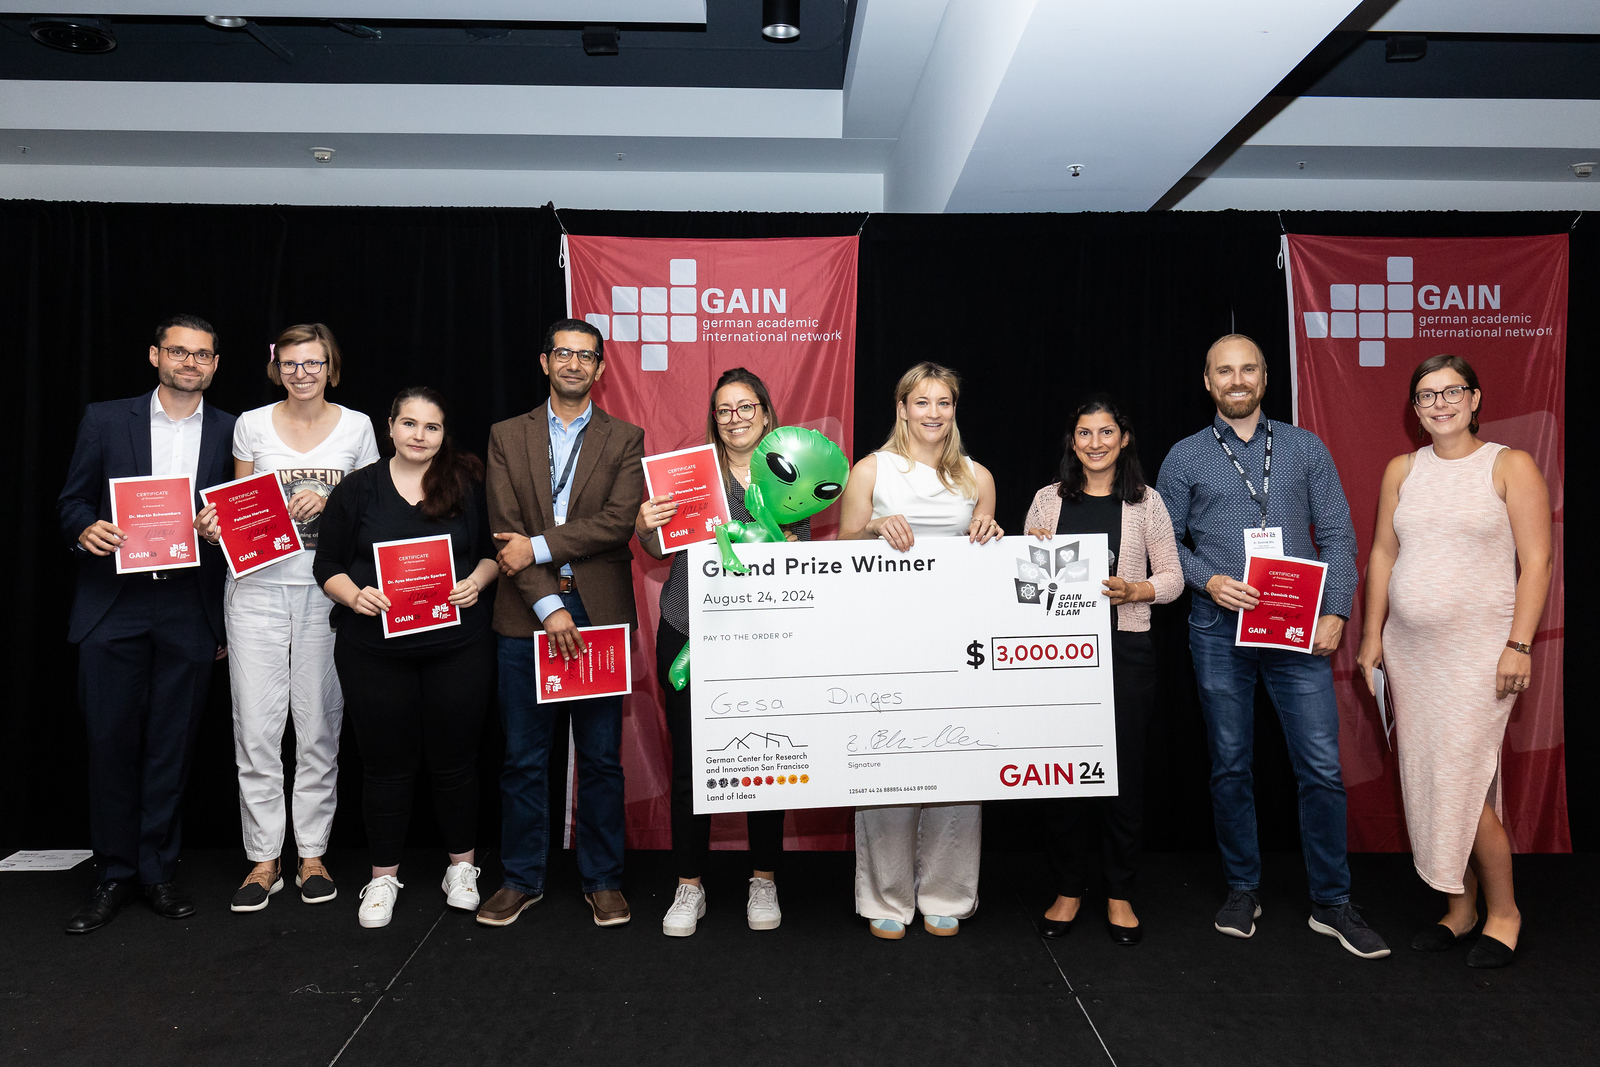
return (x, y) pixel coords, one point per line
(169, 378)
(1239, 409)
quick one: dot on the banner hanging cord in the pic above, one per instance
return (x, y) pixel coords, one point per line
(561, 261)
(868, 215)
(1574, 225)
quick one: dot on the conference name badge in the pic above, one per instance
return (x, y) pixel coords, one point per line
(1263, 541)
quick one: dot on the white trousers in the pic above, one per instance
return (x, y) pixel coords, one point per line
(918, 857)
(280, 660)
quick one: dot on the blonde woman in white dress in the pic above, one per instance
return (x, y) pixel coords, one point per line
(919, 857)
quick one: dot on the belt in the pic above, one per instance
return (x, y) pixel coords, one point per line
(569, 584)
(177, 572)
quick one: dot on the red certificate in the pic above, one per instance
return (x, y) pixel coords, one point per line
(605, 668)
(255, 525)
(1291, 600)
(694, 478)
(417, 576)
(156, 516)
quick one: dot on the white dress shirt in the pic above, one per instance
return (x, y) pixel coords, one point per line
(174, 443)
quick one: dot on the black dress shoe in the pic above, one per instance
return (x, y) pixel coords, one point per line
(1436, 938)
(1488, 953)
(1057, 927)
(1126, 935)
(103, 902)
(168, 901)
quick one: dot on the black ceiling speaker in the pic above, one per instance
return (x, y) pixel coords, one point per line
(780, 19)
(601, 40)
(73, 33)
(1405, 47)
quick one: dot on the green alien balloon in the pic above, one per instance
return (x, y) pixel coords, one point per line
(794, 473)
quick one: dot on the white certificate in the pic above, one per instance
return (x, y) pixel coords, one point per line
(844, 673)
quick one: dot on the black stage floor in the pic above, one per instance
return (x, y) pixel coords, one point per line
(297, 984)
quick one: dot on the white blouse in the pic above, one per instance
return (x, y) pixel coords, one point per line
(906, 487)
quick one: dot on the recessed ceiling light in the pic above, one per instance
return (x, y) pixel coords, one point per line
(227, 22)
(73, 33)
(780, 19)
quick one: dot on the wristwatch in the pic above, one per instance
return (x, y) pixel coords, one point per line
(1520, 646)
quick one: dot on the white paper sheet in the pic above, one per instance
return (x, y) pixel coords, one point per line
(54, 859)
(1380, 689)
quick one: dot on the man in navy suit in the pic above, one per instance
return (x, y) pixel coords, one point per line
(146, 641)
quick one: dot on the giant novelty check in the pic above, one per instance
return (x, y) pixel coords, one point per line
(844, 673)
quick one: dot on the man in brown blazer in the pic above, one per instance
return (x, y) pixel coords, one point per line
(564, 485)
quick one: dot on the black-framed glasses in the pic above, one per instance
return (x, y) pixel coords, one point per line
(745, 411)
(1452, 394)
(204, 358)
(588, 357)
(313, 367)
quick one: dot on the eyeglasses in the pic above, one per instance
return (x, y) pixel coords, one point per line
(313, 367)
(1452, 394)
(204, 358)
(745, 411)
(587, 357)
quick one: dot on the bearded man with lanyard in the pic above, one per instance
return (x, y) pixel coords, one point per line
(1245, 479)
(564, 483)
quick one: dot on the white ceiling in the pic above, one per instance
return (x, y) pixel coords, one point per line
(607, 12)
(946, 105)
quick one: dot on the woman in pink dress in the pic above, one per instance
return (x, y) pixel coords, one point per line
(1460, 567)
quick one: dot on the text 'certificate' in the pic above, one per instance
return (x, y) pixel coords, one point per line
(848, 674)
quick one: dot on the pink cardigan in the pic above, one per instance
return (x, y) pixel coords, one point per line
(1146, 531)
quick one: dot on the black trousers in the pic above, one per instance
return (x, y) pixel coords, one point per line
(143, 672)
(413, 709)
(691, 833)
(1119, 818)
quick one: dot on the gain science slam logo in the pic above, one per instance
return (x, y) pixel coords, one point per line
(662, 318)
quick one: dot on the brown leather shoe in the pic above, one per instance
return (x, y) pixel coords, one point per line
(503, 908)
(610, 909)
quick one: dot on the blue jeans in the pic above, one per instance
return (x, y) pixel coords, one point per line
(1301, 688)
(524, 783)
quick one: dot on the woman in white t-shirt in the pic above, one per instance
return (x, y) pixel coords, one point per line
(919, 857)
(280, 646)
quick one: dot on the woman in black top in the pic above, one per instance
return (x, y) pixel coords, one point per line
(740, 416)
(421, 696)
(1102, 490)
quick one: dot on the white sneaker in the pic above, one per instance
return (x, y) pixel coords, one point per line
(688, 908)
(460, 886)
(377, 901)
(762, 911)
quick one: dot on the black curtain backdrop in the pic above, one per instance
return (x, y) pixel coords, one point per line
(1035, 311)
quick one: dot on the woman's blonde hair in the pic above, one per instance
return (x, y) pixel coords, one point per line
(954, 474)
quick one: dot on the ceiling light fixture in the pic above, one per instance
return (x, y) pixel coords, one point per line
(322, 155)
(73, 33)
(780, 19)
(226, 22)
(1076, 169)
(1584, 170)
(601, 40)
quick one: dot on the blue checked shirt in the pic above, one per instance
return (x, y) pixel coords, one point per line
(1210, 505)
(562, 438)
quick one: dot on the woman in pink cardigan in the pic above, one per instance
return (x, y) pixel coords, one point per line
(1102, 490)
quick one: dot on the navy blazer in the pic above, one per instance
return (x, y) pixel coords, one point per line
(114, 442)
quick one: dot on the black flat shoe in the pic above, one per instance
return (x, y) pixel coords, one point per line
(1487, 953)
(168, 901)
(1436, 938)
(1056, 927)
(103, 903)
(1126, 935)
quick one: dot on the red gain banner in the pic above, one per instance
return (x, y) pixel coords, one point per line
(675, 314)
(1363, 313)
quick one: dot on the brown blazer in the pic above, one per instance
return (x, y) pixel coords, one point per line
(607, 487)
